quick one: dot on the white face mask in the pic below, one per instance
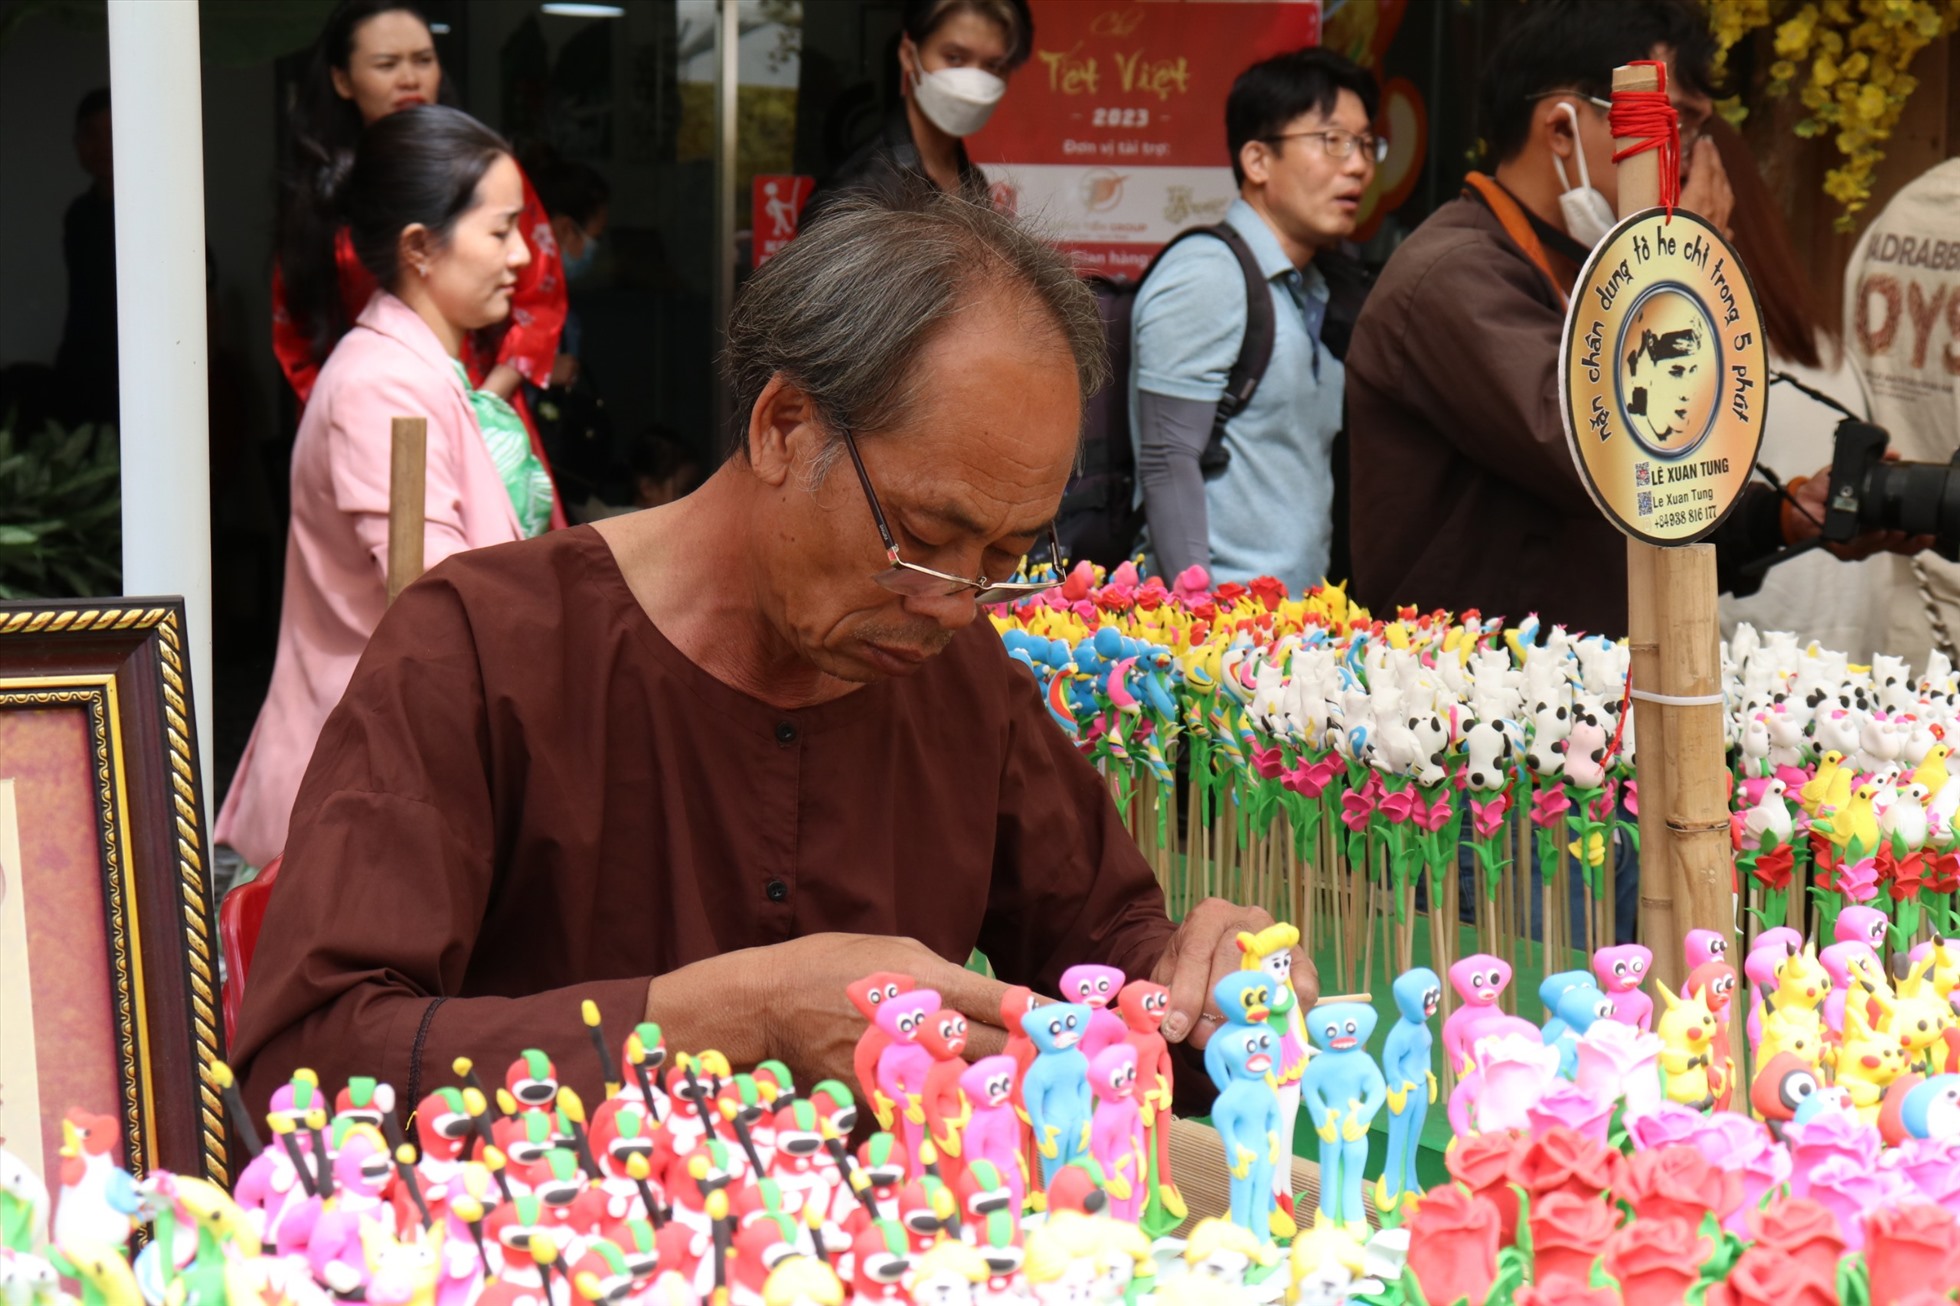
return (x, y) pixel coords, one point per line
(1588, 217)
(958, 101)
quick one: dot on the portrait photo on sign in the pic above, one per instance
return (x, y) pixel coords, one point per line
(1670, 371)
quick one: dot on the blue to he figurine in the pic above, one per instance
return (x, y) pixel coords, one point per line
(1246, 1116)
(1055, 1090)
(1407, 1067)
(1578, 1008)
(1553, 990)
(1342, 1089)
(1246, 998)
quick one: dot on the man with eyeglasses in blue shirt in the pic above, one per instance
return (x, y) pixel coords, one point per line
(1257, 502)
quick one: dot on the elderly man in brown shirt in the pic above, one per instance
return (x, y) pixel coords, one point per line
(709, 763)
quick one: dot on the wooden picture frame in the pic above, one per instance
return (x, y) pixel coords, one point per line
(106, 881)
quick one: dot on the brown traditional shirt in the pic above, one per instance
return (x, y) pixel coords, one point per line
(529, 797)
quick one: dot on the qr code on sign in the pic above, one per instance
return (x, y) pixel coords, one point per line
(1645, 502)
(1642, 475)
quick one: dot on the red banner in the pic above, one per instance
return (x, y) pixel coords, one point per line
(1114, 131)
(777, 201)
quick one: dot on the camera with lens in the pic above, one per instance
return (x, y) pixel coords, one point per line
(1870, 492)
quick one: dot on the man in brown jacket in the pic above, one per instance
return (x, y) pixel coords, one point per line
(1464, 494)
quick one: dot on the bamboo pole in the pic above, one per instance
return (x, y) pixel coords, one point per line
(1639, 178)
(1699, 856)
(408, 467)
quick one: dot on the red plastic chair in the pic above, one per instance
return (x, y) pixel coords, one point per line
(240, 916)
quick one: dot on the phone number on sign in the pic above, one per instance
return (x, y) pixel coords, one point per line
(1120, 118)
(1685, 516)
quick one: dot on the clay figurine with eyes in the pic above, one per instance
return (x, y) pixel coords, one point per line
(1055, 1091)
(1116, 1130)
(1552, 989)
(1096, 987)
(1480, 979)
(904, 1064)
(993, 1131)
(1577, 1011)
(1408, 1068)
(1270, 952)
(1144, 1006)
(867, 995)
(1622, 970)
(1342, 1090)
(1246, 1116)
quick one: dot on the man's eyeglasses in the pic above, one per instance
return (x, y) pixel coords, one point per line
(913, 580)
(1340, 144)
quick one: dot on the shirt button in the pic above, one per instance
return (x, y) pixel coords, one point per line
(785, 732)
(776, 890)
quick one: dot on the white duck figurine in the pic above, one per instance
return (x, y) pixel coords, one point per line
(1768, 822)
(1906, 817)
(23, 1207)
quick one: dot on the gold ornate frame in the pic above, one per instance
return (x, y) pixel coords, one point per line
(123, 662)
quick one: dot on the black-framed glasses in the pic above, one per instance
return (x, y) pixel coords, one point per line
(1340, 144)
(913, 580)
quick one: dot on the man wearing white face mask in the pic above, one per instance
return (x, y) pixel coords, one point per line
(1464, 494)
(954, 59)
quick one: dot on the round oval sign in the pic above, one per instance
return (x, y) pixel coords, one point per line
(1665, 376)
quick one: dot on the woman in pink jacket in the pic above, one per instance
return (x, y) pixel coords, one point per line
(432, 204)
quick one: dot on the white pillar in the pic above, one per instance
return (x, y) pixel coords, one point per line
(156, 101)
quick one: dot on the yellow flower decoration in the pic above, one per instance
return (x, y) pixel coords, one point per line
(1847, 60)
(1595, 851)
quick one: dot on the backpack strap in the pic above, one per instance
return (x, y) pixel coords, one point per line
(1255, 350)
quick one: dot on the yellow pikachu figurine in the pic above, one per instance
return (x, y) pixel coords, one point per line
(1687, 1030)
(1791, 1022)
(1869, 1059)
(1917, 1018)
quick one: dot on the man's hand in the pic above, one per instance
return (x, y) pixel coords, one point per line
(787, 1001)
(1706, 191)
(1805, 521)
(1204, 950)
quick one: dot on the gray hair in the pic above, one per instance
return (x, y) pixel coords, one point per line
(845, 311)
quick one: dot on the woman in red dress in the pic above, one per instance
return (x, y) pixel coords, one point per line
(373, 58)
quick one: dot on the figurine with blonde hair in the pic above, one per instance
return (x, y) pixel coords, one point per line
(1271, 951)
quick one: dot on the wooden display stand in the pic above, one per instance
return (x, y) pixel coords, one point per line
(1687, 872)
(407, 481)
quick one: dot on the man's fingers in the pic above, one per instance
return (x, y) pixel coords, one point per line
(968, 992)
(1185, 966)
(984, 1040)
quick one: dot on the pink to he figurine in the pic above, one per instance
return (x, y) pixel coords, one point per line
(1704, 946)
(1096, 987)
(904, 1065)
(1621, 970)
(993, 1131)
(867, 995)
(1480, 979)
(1866, 925)
(362, 1171)
(1116, 1131)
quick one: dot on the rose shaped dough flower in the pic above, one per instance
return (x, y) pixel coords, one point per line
(1517, 1070)
(1568, 1234)
(1907, 1247)
(1618, 1061)
(1656, 1261)
(1564, 1161)
(1453, 1245)
(1558, 1290)
(1677, 1183)
(1767, 1169)
(1802, 1230)
(1484, 1163)
(1667, 1125)
(1765, 1276)
(1566, 1104)
(1828, 1134)
(1848, 1190)
(1931, 1166)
